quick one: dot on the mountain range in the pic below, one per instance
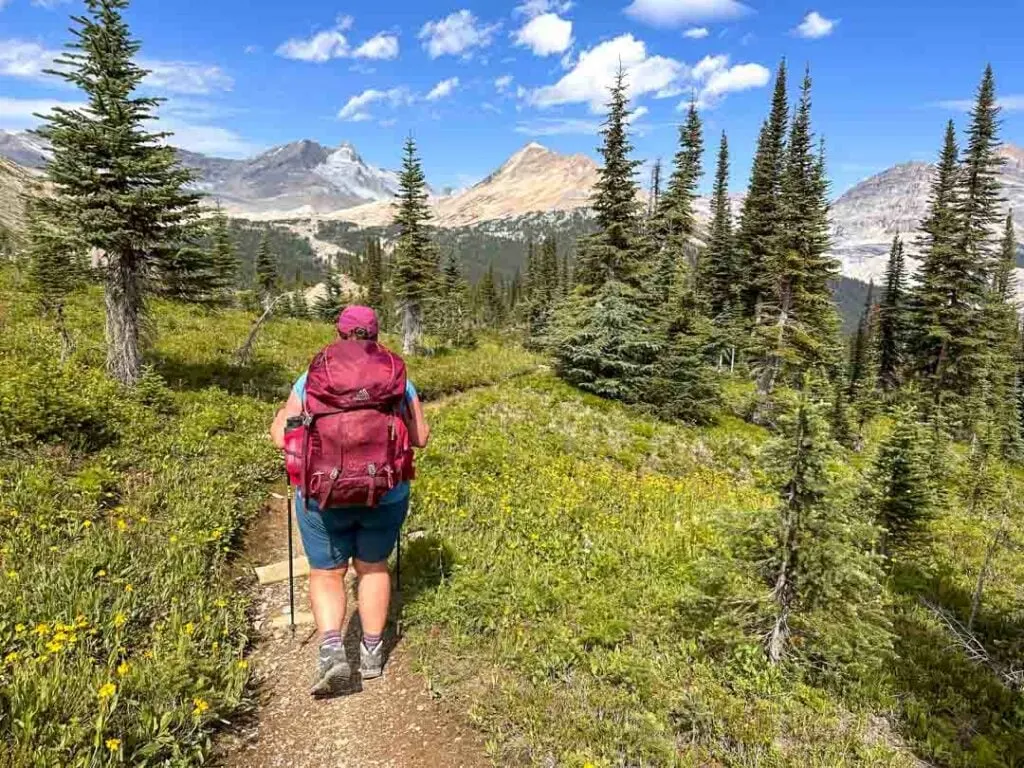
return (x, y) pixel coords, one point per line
(305, 183)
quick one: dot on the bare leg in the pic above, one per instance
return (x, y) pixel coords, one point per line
(374, 595)
(327, 595)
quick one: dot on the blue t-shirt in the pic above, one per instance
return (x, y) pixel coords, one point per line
(401, 490)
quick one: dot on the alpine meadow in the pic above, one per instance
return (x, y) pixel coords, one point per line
(694, 494)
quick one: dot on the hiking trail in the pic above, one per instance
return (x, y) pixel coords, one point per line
(392, 722)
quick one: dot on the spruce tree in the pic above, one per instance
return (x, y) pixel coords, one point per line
(185, 271)
(492, 302)
(611, 254)
(224, 256)
(415, 266)
(719, 270)
(267, 280)
(826, 582)
(117, 187)
(798, 328)
(761, 220)
(1003, 331)
(374, 275)
(455, 321)
(900, 483)
(892, 321)
(328, 303)
(601, 338)
(860, 376)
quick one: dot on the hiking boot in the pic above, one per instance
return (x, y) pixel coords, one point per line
(332, 671)
(371, 663)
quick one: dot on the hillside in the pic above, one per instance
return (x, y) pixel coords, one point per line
(14, 182)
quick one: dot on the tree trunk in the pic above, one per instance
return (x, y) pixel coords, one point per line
(124, 306)
(67, 344)
(243, 354)
(412, 328)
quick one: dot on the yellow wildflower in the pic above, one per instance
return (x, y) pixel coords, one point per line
(54, 647)
(129, 588)
(113, 744)
(173, 539)
(19, 628)
(11, 657)
(61, 636)
(106, 690)
(120, 620)
(147, 654)
(122, 525)
(41, 630)
(221, 602)
(216, 646)
(81, 621)
(72, 638)
(100, 573)
(143, 519)
(200, 706)
(243, 664)
(87, 523)
(217, 533)
(12, 575)
(122, 668)
(190, 628)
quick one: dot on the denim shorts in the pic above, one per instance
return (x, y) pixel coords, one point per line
(368, 534)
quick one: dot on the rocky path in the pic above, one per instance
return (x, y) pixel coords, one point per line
(391, 722)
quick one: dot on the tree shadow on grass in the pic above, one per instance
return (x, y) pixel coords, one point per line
(261, 379)
(954, 710)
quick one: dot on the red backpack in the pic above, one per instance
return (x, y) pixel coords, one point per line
(355, 446)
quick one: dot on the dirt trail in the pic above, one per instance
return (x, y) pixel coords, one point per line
(392, 722)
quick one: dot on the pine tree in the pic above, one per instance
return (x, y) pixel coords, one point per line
(900, 483)
(118, 187)
(761, 220)
(415, 257)
(611, 254)
(719, 265)
(798, 328)
(224, 258)
(600, 336)
(55, 268)
(892, 321)
(682, 385)
(826, 581)
(267, 279)
(491, 300)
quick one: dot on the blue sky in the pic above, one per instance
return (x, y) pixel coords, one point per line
(474, 81)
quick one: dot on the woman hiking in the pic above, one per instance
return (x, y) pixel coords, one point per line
(349, 427)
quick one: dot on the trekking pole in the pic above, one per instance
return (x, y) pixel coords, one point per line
(291, 566)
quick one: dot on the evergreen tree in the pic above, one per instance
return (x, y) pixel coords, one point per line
(892, 321)
(719, 267)
(415, 257)
(455, 321)
(493, 304)
(900, 483)
(328, 303)
(266, 270)
(224, 257)
(860, 376)
(761, 220)
(1003, 347)
(374, 276)
(682, 385)
(118, 187)
(300, 307)
(655, 194)
(185, 271)
(826, 582)
(798, 328)
(611, 253)
(601, 338)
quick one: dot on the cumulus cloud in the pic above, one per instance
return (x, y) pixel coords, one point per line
(502, 83)
(545, 34)
(185, 77)
(20, 114)
(456, 35)
(23, 58)
(674, 13)
(713, 78)
(814, 26)
(380, 46)
(588, 81)
(356, 109)
(208, 139)
(532, 8)
(696, 33)
(443, 89)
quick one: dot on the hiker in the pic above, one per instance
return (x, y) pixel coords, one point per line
(357, 405)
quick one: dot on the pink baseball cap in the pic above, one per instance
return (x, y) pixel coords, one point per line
(355, 317)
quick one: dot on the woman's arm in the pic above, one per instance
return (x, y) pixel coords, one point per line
(416, 423)
(292, 408)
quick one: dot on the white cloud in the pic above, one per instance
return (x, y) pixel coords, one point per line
(815, 25)
(595, 70)
(185, 77)
(20, 114)
(208, 139)
(696, 33)
(380, 46)
(502, 83)
(48, 4)
(443, 89)
(323, 46)
(488, 107)
(713, 78)
(356, 109)
(22, 58)
(673, 13)
(532, 8)
(1012, 103)
(557, 126)
(456, 34)
(545, 34)
(344, 22)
